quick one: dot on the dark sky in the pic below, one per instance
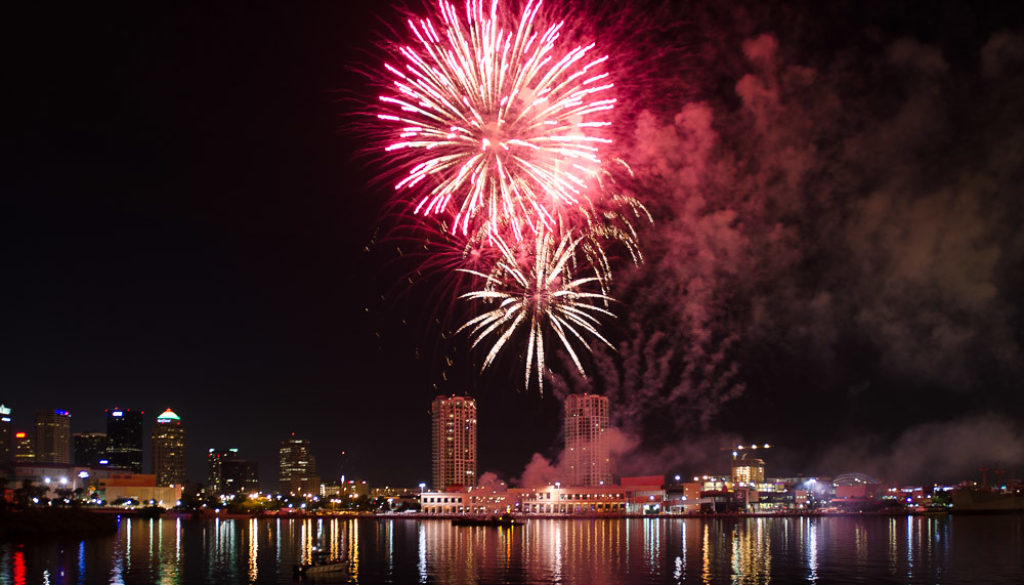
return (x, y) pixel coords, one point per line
(835, 265)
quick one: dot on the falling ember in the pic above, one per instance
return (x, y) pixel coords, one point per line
(497, 123)
(541, 297)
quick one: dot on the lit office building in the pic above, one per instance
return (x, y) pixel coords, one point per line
(588, 462)
(215, 460)
(124, 436)
(6, 435)
(168, 442)
(53, 437)
(297, 472)
(454, 441)
(240, 476)
(23, 449)
(747, 470)
(90, 449)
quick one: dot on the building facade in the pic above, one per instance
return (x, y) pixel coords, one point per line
(6, 435)
(556, 500)
(215, 460)
(747, 470)
(240, 476)
(453, 424)
(297, 470)
(24, 451)
(53, 437)
(587, 457)
(140, 489)
(90, 449)
(124, 436)
(168, 442)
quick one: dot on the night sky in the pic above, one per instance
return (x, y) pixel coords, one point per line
(190, 209)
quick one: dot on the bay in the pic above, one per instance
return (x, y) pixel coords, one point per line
(857, 549)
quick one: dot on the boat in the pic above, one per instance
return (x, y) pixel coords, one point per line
(319, 565)
(503, 520)
(980, 500)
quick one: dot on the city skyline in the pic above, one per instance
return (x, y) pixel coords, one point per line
(198, 219)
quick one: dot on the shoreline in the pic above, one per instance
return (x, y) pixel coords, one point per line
(523, 517)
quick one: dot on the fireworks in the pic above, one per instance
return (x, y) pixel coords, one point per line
(499, 130)
(539, 296)
(496, 124)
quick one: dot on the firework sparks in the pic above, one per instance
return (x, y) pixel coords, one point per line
(540, 294)
(498, 125)
(497, 128)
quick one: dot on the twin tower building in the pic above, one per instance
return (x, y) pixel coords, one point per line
(585, 461)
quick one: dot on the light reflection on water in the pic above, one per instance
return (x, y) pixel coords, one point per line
(174, 551)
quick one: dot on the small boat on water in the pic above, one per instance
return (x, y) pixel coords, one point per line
(320, 565)
(503, 520)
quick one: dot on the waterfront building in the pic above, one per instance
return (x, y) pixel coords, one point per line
(587, 457)
(747, 470)
(394, 492)
(24, 452)
(856, 486)
(90, 449)
(139, 488)
(340, 491)
(453, 425)
(53, 437)
(240, 476)
(473, 502)
(577, 500)
(124, 436)
(215, 460)
(297, 469)
(55, 477)
(6, 435)
(168, 443)
(552, 500)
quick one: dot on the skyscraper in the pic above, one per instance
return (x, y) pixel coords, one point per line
(168, 442)
(586, 443)
(241, 476)
(124, 439)
(298, 467)
(454, 441)
(6, 436)
(53, 437)
(23, 448)
(90, 449)
(215, 461)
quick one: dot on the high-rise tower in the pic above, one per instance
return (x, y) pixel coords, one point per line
(168, 442)
(53, 437)
(215, 461)
(588, 461)
(6, 436)
(454, 441)
(90, 449)
(124, 439)
(298, 467)
(24, 451)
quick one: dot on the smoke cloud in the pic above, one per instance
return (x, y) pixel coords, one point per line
(837, 240)
(934, 451)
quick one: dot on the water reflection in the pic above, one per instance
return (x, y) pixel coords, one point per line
(254, 549)
(572, 552)
(812, 549)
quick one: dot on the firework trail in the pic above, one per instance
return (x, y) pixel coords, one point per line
(497, 130)
(497, 125)
(539, 296)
